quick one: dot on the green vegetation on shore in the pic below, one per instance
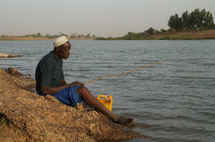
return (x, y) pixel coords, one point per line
(39, 36)
(195, 20)
(168, 35)
(195, 25)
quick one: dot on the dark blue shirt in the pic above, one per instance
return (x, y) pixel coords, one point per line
(49, 72)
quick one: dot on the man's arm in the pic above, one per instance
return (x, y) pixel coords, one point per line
(54, 90)
(76, 83)
(63, 82)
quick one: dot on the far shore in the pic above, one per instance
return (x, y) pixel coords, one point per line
(185, 35)
(168, 35)
(38, 38)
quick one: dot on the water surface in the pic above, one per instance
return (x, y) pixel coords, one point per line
(172, 101)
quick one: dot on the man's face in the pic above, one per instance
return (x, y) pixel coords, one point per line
(64, 50)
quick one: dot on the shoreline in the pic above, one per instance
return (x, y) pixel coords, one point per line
(186, 35)
(26, 116)
(20, 38)
(183, 35)
(168, 35)
(5, 55)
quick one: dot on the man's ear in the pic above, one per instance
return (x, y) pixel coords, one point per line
(57, 49)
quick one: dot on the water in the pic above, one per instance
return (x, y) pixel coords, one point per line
(172, 101)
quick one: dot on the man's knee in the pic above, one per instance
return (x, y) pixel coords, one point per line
(82, 91)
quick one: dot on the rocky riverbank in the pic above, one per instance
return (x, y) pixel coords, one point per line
(25, 116)
(5, 55)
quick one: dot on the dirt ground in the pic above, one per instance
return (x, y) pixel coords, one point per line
(26, 116)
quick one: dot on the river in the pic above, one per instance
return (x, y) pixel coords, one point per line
(172, 102)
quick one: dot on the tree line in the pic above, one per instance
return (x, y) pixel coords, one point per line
(73, 35)
(136, 36)
(195, 20)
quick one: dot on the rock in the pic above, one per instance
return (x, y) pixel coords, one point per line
(4, 55)
(31, 117)
(13, 71)
(13, 78)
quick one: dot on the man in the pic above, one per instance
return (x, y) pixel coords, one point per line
(50, 80)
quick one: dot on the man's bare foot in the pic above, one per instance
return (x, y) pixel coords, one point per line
(125, 121)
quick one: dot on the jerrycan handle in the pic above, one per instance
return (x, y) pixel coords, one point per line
(105, 98)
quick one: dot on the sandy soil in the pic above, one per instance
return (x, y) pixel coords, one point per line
(25, 116)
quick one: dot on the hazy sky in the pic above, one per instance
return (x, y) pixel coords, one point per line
(99, 17)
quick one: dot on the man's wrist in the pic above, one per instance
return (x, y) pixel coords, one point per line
(67, 85)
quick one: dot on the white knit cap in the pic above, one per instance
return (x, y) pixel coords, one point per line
(60, 41)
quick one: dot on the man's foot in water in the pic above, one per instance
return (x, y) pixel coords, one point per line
(125, 121)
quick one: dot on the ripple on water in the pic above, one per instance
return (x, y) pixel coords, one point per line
(172, 101)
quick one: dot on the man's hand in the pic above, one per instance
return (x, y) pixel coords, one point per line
(77, 83)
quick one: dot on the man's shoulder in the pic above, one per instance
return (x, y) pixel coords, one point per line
(48, 57)
(46, 63)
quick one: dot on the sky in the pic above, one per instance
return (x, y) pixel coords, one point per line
(100, 17)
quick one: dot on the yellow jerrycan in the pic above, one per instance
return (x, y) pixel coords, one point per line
(107, 101)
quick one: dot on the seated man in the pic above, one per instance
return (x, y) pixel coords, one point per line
(50, 80)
